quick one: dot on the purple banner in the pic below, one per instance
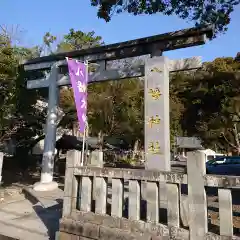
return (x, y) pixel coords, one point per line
(79, 79)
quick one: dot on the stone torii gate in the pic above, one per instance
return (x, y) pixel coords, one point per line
(156, 71)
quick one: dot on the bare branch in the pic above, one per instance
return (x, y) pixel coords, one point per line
(12, 131)
(13, 33)
(228, 142)
(235, 132)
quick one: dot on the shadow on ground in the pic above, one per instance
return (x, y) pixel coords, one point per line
(50, 217)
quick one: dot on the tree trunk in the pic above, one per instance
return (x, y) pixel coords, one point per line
(135, 149)
(75, 129)
(100, 140)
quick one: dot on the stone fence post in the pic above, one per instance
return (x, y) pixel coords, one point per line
(96, 159)
(196, 170)
(70, 185)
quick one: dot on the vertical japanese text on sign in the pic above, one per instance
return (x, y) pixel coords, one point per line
(154, 148)
(79, 78)
(155, 93)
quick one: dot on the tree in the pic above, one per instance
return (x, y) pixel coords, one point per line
(201, 12)
(74, 40)
(117, 108)
(114, 107)
(8, 70)
(19, 118)
(47, 46)
(211, 101)
(177, 82)
(77, 40)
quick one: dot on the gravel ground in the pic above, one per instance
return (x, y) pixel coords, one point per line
(213, 213)
(213, 208)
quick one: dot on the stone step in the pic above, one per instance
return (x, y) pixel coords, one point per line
(46, 199)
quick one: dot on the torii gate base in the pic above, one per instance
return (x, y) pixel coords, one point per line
(45, 186)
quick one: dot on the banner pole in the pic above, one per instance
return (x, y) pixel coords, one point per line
(87, 139)
(83, 144)
(84, 133)
(83, 147)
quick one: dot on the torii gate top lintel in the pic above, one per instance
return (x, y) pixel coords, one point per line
(142, 46)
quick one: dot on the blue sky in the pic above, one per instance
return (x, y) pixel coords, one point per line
(35, 18)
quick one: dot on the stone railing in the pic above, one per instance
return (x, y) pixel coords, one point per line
(106, 203)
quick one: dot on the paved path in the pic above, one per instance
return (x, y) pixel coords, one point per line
(34, 219)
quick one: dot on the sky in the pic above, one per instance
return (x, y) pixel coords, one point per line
(35, 18)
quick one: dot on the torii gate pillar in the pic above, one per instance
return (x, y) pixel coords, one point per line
(156, 108)
(46, 182)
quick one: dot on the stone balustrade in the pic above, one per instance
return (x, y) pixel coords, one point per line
(107, 203)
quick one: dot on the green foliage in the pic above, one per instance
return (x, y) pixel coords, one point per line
(76, 40)
(18, 117)
(8, 71)
(211, 100)
(48, 40)
(30, 119)
(116, 108)
(127, 161)
(201, 12)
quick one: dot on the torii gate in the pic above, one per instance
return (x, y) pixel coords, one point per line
(156, 71)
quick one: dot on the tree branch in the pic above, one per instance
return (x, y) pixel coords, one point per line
(235, 132)
(228, 142)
